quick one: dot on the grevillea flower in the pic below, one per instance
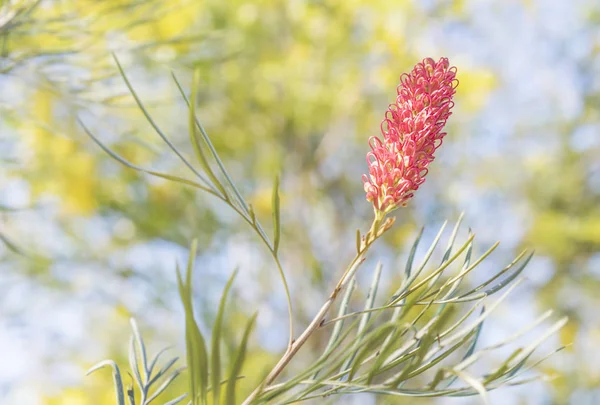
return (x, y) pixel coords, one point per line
(412, 131)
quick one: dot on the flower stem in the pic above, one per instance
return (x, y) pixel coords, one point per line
(377, 229)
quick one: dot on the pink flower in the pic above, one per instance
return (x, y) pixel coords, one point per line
(412, 131)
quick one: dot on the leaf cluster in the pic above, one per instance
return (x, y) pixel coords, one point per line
(423, 339)
(150, 380)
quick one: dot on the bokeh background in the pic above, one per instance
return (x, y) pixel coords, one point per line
(296, 88)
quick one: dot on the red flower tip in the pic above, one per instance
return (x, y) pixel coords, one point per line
(412, 131)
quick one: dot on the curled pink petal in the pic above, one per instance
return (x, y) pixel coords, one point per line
(412, 131)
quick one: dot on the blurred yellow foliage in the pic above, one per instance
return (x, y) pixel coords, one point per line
(568, 334)
(101, 394)
(58, 165)
(562, 235)
(70, 397)
(474, 88)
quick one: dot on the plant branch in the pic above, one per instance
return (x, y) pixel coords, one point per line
(377, 229)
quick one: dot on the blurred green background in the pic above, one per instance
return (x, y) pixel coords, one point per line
(291, 87)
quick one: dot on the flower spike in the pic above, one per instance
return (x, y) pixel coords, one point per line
(412, 131)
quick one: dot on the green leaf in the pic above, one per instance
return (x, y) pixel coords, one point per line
(411, 277)
(135, 367)
(153, 124)
(276, 215)
(126, 163)
(364, 319)
(411, 256)
(176, 400)
(155, 359)
(195, 344)
(426, 364)
(324, 361)
(118, 382)
(237, 364)
(411, 288)
(163, 386)
(426, 338)
(369, 345)
(452, 238)
(131, 394)
(252, 214)
(196, 141)
(481, 317)
(162, 371)
(337, 329)
(213, 151)
(447, 254)
(473, 382)
(510, 278)
(216, 343)
(386, 349)
(142, 348)
(501, 370)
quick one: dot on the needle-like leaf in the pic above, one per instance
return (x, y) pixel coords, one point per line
(238, 362)
(275, 203)
(116, 378)
(216, 343)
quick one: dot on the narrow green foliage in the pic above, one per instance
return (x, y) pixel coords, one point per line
(216, 344)
(176, 400)
(364, 319)
(126, 163)
(134, 364)
(163, 370)
(337, 329)
(503, 368)
(155, 360)
(321, 364)
(369, 345)
(235, 200)
(131, 394)
(118, 382)
(384, 352)
(237, 364)
(412, 276)
(141, 347)
(251, 213)
(163, 386)
(452, 238)
(411, 255)
(473, 382)
(225, 190)
(195, 140)
(275, 203)
(145, 380)
(428, 331)
(240, 200)
(197, 357)
(153, 124)
(512, 277)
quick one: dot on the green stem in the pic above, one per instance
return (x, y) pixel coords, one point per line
(315, 324)
(275, 257)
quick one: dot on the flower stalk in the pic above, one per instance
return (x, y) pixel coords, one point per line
(378, 228)
(412, 131)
